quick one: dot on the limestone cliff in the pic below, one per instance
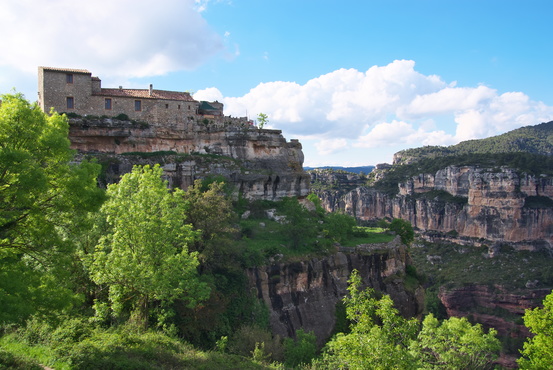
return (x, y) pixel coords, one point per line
(261, 164)
(304, 294)
(466, 204)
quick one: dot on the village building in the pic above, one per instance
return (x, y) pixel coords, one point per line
(77, 91)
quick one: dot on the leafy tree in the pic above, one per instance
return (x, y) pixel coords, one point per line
(537, 352)
(300, 350)
(262, 119)
(143, 256)
(210, 212)
(379, 335)
(404, 229)
(298, 226)
(454, 344)
(339, 226)
(43, 196)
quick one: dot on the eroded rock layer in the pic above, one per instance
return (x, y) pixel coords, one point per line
(260, 164)
(304, 294)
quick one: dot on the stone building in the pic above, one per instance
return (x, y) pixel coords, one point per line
(77, 91)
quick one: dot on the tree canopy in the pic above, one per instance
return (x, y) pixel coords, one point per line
(538, 350)
(143, 255)
(43, 196)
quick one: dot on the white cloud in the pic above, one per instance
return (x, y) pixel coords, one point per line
(387, 106)
(330, 146)
(124, 38)
(209, 94)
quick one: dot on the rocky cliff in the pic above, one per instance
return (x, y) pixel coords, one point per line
(466, 204)
(261, 164)
(304, 294)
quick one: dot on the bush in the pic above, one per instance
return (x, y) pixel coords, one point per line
(301, 350)
(122, 117)
(245, 341)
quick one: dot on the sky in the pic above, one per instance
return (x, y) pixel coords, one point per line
(354, 81)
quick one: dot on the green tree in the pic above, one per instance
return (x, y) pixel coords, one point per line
(454, 344)
(43, 196)
(537, 352)
(298, 226)
(379, 336)
(143, 256)
(403, 229)
(339, 226)
(210, 212)
(262, 119)
(300, 350)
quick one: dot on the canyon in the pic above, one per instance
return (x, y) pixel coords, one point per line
(466, 205)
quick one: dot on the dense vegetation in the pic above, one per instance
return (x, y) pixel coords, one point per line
(140, 276)
(536, 139)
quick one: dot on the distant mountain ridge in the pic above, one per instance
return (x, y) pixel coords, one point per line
(536, 139)
(364, 169)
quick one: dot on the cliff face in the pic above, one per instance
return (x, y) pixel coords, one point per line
(491, 305)
(261, 164)
(467, 203)
(304, 294)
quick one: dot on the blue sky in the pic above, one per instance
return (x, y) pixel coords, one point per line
(355, 81)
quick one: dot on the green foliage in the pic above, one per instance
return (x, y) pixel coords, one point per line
(262, 119)
(454, 344)
(381, 339)
(379, 335)
(338, 227)
(43, 196)
(120, 347)
(122, 117)
(300, 350)
(299, 224)
(143, 256)
(402, 228)
(210, 212)
(251, 337)
(537, 352)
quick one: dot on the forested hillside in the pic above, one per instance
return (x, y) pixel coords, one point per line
(536, 139)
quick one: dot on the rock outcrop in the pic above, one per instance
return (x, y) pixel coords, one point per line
(261, 164)
(465, 204)
(304, 294)
(492, 305)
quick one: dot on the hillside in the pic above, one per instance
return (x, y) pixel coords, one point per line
(536, 139)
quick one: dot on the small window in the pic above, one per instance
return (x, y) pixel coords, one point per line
(138, 105)
(108, 103)
(166, 106)
(178, 106)
(189, 107)
(69, 78)
(70, 102)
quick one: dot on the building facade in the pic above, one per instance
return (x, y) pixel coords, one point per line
(77, 91)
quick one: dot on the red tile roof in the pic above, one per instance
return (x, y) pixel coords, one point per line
(145, 94)
(67, 70)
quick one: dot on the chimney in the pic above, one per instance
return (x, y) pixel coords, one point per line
(151, 89)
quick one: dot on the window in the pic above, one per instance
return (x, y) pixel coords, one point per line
(69, 78)
(70, 102)
(166, 106)
(178, 106)
(108, 103)
(138, 105)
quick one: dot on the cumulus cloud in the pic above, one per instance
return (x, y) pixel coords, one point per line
(124, 38)
(387, 106)
(330, 146)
